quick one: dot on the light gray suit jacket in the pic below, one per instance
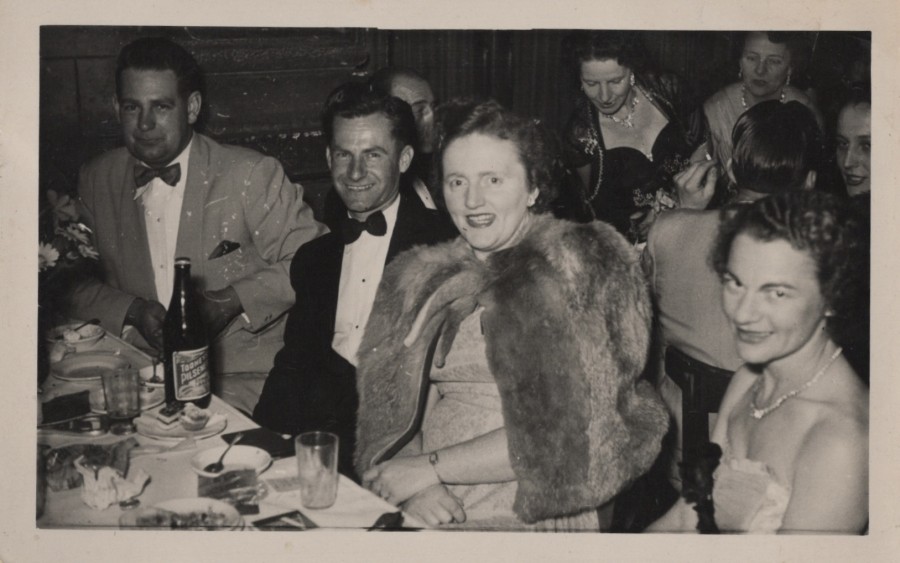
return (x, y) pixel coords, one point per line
(232, 193)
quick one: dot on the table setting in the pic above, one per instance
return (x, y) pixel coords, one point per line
(112, 456)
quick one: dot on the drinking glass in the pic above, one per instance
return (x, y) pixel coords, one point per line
(122, 387)
(317, 455)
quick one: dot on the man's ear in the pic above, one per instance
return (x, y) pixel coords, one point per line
(194, 102)
(115, 105)
(406, 156)
(328, 156)
(810, 182)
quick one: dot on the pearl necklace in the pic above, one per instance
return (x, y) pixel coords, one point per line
(781, 98)
(759, 413)
(629, 119)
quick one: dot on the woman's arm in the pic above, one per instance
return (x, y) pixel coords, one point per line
(483, 459)
(829, 490)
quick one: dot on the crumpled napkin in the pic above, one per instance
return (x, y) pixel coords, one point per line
(103, 487)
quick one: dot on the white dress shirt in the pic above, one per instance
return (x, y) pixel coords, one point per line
(361, 269)
(162, 214)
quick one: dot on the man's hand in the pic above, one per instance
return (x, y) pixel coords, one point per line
(148, 317)
(218, 307)
(696, 184)
(434, 506)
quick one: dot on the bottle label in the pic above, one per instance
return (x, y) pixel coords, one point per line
(191, 371)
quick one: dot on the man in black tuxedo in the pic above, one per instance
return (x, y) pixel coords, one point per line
(312, 385)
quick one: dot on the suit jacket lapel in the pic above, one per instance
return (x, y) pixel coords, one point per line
(190, 226)
(133, 226)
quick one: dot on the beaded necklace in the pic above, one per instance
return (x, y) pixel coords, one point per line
(759, 413)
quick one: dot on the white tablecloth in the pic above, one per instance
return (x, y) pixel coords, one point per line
(171, 477)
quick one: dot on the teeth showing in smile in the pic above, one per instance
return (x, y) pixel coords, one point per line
(480, 220)
(358, 188)
(854, 180)
(751, 337)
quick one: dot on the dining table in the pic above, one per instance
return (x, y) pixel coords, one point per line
(168, 463)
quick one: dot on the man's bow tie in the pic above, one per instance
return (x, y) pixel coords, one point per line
(374, 223)
(170, 174)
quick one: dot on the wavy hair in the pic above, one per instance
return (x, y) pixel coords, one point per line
(816, 223)
(538, 147)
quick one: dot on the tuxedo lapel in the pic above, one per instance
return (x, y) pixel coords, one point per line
(411, 225)
(329, 279)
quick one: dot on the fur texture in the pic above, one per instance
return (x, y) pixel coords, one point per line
(567, 326)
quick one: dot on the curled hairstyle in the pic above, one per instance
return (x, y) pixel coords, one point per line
(538, 148)
(354, 99)
(816, 223)
(624, 47)
(159, 53)
(796, 42)
(775, 146)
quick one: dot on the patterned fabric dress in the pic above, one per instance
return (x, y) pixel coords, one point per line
(468, 407)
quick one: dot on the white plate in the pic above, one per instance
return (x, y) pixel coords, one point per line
(157, 516)
(148, 425)
(151, 396)
(238, 457)
(88, 334)
(88, 366)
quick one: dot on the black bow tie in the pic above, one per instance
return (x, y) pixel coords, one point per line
(170, 174)
(351, 228)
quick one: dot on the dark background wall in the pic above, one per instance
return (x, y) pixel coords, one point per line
(265, 86)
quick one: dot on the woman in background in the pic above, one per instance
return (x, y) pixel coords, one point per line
(631, 132)
(768, 61)
(793, 425)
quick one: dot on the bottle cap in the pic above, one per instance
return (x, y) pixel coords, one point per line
(182, 261)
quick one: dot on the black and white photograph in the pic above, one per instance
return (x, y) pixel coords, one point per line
(379, 268)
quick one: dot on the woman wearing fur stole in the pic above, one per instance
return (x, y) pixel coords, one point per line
(498, 375)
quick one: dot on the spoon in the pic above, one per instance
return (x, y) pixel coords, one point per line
(217, 467)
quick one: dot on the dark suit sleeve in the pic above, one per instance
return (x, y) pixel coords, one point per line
(307, 385)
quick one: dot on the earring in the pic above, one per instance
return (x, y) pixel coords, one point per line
(788, 81)
(631, 81)
(740, 72)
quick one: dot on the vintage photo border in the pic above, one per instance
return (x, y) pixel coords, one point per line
(19, 40)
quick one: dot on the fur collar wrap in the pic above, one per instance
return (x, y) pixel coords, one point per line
(566, 323)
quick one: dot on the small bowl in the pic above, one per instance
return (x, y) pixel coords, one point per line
(239, 457)
(80, 339)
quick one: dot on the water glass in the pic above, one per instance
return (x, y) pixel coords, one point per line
(317, 455)
(122, 387)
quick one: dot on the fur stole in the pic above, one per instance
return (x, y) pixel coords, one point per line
(567, 327)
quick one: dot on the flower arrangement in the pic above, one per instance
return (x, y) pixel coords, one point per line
(64, 241)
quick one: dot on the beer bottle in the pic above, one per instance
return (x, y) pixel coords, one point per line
(185, 343)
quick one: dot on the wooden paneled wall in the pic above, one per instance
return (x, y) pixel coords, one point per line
(265, 86)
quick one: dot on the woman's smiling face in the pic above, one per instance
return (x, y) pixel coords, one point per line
(772, 297)
(487, 192)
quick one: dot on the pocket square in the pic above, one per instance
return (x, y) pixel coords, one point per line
(224, 248)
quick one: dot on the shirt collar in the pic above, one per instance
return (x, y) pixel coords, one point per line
(183, 157)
